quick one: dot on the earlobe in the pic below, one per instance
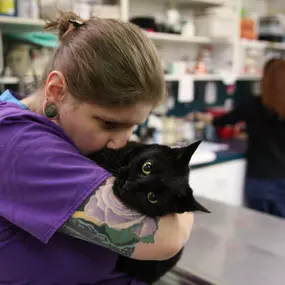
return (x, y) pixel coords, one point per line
(50, 111)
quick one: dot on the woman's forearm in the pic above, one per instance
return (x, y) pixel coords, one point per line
(105, 221)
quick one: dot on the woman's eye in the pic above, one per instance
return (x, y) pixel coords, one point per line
(109, 125)
(152, 197)
(147, 168)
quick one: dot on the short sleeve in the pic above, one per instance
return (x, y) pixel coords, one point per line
(44, 178)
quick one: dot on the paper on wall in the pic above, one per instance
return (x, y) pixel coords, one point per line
(210, 93)
(186, 89)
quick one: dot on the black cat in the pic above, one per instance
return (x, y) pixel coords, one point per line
(153, 180)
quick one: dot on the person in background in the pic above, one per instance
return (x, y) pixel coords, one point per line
(265, 123)
(59, 222)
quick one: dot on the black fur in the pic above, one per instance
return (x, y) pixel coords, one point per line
(167, 182)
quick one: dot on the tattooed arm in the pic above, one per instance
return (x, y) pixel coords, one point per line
(47, 189)
(105, 221)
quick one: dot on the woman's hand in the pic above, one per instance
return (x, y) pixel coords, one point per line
(173, 232)
(207, 118)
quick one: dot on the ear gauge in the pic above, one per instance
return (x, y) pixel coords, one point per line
(51, 111)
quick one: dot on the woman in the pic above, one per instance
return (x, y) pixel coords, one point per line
(265, 121)
(104, 79)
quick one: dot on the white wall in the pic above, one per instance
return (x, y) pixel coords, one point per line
(260, 6)
(146, 7)
(276, 6)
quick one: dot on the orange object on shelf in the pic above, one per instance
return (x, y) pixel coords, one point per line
(247, 29)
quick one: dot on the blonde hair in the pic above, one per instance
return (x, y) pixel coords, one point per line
(273, 86)
(106, 61)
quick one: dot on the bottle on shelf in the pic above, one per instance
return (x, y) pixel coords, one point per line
(247, 26)
(28, 9)
(271, 28)
(8, 7)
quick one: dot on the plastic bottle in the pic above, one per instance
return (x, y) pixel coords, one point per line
(8, 7)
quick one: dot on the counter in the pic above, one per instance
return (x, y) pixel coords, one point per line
(236, 150)
(232, 246)
(222, 176)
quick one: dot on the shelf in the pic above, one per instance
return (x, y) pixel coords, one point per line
(262, 44)
(164, 37)
(279, 46)
(207, 77)
(19, 24)
(250, 77)
(9, 80)
(199, 4)
(253, 44)
(174, 38)
(212, 77)
(196, 77)
(171, 77)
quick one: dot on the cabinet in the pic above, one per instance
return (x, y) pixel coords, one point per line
(221, 182)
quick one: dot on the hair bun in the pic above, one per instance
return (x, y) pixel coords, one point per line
(63, 23)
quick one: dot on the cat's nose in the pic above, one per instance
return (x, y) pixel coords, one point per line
(127, 185)
(122, 183)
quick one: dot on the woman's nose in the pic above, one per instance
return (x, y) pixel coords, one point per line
(120, 139)
(116, 143)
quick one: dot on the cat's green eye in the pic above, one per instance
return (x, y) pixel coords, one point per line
(152, 198)
(147, 167)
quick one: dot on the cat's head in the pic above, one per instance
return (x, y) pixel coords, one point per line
(154, 179)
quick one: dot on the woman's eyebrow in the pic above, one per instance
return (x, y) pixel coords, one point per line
(116, 121)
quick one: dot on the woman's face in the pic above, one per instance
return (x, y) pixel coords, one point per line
(92, 127)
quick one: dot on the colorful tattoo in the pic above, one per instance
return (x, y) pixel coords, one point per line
(104, 220)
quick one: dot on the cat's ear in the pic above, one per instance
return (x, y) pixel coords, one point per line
(198, 207)
(185, 153)
(187, 203)
(191, 206)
